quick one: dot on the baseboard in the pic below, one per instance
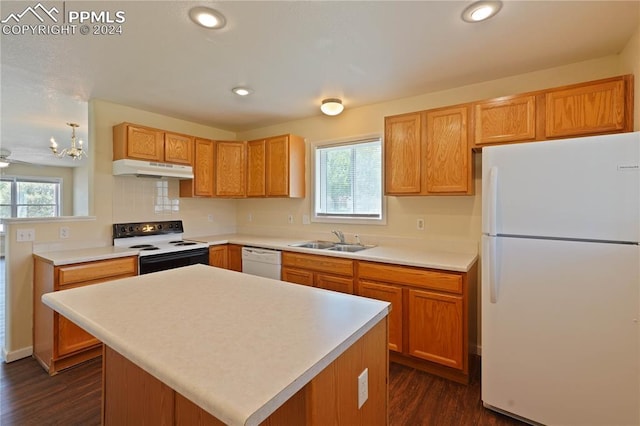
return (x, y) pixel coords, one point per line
(16, 355)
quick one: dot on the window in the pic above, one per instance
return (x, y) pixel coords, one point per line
(20, 197)
(348, 182)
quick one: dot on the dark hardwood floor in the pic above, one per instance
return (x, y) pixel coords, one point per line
(28, 396)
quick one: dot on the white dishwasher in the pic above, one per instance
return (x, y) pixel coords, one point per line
(261, 262)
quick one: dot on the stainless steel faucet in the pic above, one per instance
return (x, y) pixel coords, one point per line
(340, 235)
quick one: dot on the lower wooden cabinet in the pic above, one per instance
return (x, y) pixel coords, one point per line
(392, 294)
(436, 327)
(219, 256)
(227, 256)
(428, 323)
(329, 273)
(297, 276)
(57, 342)
(235, 257)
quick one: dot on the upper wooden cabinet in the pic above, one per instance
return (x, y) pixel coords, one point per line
(448, 155)
(276, 167)
(428, 153)
(507, 119)
(178, 149)
(256, 168)
(402, 154)
(203, 168)
(148, 144)
(231, 166)
(585, 109)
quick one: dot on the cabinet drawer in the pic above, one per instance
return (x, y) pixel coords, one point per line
(329, 282)
(297, 276)
(445, 281)
(318, 263)
(93, 272)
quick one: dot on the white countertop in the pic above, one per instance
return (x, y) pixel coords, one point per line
(66, 257)
(396, 254)
(410, 256)
(237, 345)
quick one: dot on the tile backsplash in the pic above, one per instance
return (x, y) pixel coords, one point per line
(141, 199)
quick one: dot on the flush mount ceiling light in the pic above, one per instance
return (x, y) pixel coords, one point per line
(242, 91)
(481, 10)
(331, 106)
(207, 17)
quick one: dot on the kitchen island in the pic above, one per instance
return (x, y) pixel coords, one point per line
(211, 346)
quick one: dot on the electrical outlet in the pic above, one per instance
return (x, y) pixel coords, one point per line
(363, 387)
(25, 235)
(305, 219)
(290, 218)
(420, 224)
(64, 232)
(210, 218)
(250, 217)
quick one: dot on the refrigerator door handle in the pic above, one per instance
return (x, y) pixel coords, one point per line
(492, 198)
(492, 264)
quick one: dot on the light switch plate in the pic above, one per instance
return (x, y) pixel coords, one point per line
(25, 234)
(363, 387)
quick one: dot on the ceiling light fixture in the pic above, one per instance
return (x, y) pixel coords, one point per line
(331, 106)
(207, 17)
(75, 151)
(242, 91)
(3, 164)
(481, 10)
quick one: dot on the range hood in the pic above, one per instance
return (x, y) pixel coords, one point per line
(128, 167)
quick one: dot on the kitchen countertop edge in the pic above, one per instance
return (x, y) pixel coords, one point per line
(449, 261)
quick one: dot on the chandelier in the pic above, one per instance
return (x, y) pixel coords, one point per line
(75, 151)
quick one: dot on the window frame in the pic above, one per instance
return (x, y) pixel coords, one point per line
(314, 217)
(14, 196)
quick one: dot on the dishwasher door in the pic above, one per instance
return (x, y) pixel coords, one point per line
(261, 262)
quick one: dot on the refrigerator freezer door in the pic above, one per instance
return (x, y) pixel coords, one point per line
(585, 188)
(560, 345)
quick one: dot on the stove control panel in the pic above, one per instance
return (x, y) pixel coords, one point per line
(141, 229)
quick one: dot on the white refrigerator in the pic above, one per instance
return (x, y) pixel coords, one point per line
(560, 280)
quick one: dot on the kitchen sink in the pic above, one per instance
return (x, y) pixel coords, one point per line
(348, 247)
(328, 245)
(314, 244)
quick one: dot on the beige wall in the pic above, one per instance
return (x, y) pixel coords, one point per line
(108, 204)
(447, 219)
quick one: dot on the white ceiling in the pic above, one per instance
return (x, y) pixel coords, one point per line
(292, 54)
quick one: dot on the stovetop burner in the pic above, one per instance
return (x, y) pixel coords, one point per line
(154, 238)
(141, 246)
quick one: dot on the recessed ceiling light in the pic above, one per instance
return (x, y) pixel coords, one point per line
(207, 17)
(242, 91)
(331, 106)
(481, 10)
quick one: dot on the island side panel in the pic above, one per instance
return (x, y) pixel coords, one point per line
(131, 396)
(330, 398)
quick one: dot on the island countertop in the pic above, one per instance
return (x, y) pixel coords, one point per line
(236, 345)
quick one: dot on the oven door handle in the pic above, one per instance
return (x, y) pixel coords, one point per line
(155, 258)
